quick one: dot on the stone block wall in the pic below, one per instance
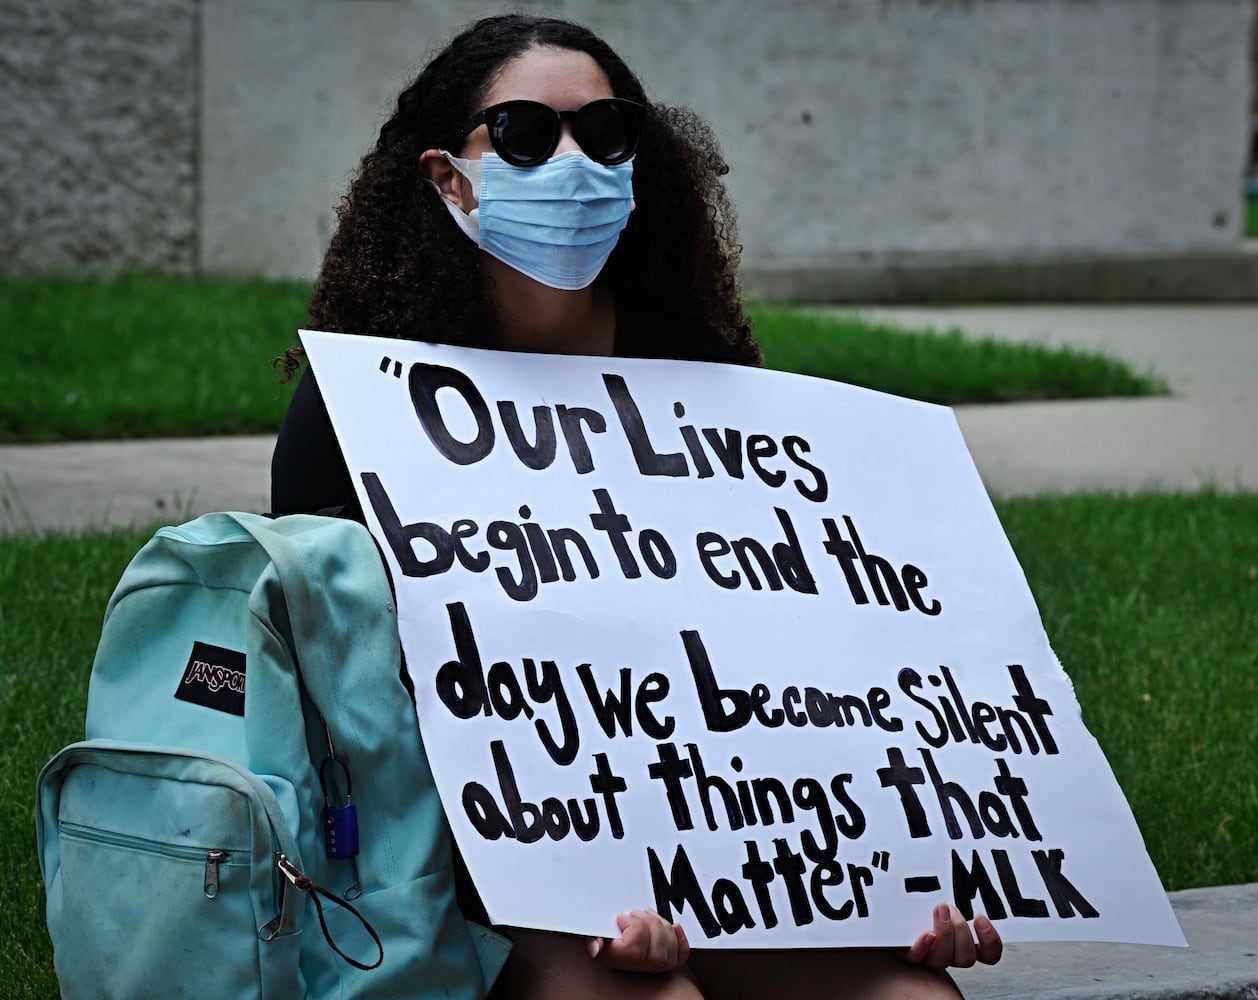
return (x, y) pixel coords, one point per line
(864, 136)
(99, 139)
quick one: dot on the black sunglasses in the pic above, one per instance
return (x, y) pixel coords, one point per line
(525, 133)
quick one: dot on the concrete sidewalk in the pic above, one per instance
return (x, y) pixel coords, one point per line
(1205, 433)
(1202, 434)
(67, 487)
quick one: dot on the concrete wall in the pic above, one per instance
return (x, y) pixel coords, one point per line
(98, 134)
(865, 136)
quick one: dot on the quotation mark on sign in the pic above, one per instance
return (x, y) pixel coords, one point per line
(881, 859)
(397, 367)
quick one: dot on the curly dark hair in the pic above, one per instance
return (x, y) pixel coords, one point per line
(398, 266)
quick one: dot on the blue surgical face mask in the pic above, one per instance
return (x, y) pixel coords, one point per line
(557, 222)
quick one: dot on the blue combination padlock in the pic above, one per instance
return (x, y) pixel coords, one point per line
(340, 823)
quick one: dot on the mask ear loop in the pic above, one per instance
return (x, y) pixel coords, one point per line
(469, 223)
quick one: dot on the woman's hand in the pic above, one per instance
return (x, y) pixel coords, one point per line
(952, 944)
(647, 943)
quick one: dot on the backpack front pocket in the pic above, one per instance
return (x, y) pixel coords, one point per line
(161, 876)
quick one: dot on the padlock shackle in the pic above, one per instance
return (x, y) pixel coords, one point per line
(323, 783)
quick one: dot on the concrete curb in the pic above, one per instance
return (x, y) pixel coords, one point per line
(1221, 960)
(1227, 275)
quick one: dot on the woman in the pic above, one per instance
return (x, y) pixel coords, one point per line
(398, 265)
(631, 252)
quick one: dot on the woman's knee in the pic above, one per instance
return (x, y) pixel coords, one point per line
(867, 974)
(550, 965)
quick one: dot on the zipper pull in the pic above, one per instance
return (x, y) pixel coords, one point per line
(212, 860)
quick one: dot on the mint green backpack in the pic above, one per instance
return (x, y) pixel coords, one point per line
(252, 813)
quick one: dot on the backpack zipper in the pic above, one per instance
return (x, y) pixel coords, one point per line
(212, 857)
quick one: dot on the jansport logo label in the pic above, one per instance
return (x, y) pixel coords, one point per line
(214, 678)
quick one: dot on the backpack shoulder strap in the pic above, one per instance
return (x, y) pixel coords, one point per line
(327, 592)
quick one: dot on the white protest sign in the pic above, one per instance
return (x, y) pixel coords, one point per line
(747, 647)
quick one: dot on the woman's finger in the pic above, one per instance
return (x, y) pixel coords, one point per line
(964, 953)
(990, 946)
(919, 950)
(683, 945)
(940, 956)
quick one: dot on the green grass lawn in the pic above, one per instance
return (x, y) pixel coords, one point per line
(143, 356)
(1151, 603)
(147, 356)
(948, 368)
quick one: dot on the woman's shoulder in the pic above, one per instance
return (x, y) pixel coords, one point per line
(308, 472)
(645, 333)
